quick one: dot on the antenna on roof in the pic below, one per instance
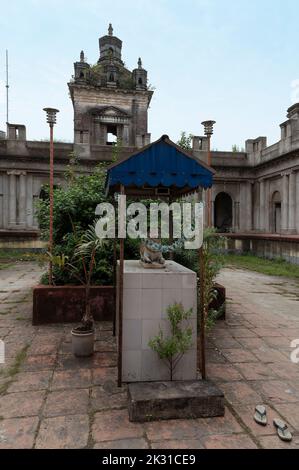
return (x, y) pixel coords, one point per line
(7, 87)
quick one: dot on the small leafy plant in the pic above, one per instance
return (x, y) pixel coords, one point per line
(213, 260)
(172, 348)
(85, 254)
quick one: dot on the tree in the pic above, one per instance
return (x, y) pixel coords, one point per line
(185, 141)
(236, 148)
(172, 348)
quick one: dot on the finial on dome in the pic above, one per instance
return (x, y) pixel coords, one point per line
(110, 30)
(139, 63)
(82, 59)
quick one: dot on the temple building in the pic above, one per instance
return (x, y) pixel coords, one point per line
(255, 196)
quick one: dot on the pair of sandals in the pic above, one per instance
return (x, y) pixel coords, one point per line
(260, 417)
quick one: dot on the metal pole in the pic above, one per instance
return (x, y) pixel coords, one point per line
(114, 282)
(209, 189)
(170, 227)
(7, 87)
(51, 119)
(120, 303)
(202, 312)
(51, 205)
(208, 129)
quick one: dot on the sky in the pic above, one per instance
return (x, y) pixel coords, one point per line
(233, 61)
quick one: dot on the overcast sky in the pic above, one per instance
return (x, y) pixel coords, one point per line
(234, 61)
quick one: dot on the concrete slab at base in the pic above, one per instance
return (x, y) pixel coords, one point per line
(151, 401)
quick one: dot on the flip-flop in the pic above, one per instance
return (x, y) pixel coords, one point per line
(282, 430)
(260, 415)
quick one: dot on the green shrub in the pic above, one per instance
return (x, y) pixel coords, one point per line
(213, 260)
(74, 212)
(172, 348)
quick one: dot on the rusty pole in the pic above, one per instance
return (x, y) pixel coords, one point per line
(51, 204)
(115, 284)
(170, 200)
(120, 302)
(202, 312)
(51, 120)
(208, 130)
(209, 196)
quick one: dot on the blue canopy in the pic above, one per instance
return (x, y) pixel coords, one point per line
(161, 164)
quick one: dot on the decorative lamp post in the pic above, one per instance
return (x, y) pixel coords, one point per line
(208, 130)
(51, 120)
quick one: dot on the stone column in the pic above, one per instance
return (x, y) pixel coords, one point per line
(212, 213)
(297, 202)
(120, 132)
(284, 202)
(125, 137)
(102, 135)
(249, 205)
(267, 206)
(1, 201)
(29, 201)
(236, 216)
(205, 209)
(12, 215)
(256, 206)
(292, 195)
(262, 206)
(22, 199)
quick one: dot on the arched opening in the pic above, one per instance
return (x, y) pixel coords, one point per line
(111, 138)
(140, 81)
(276, 212)
(111, 77)
(223, 212)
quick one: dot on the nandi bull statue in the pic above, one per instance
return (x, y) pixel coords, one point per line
(151, 252)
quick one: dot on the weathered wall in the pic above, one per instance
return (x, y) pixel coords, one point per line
(264, 246)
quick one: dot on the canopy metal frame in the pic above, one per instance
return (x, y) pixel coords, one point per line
(171, 193)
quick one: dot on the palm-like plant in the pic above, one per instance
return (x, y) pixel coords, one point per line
(86, 251)
(85, 254)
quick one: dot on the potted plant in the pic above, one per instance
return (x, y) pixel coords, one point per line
(84, 256)
(83, 335)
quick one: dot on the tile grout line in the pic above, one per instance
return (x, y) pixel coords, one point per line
(47, 393)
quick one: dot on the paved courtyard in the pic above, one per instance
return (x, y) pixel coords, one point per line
(49, 399)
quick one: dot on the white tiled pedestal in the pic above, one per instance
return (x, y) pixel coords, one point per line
(147, 294)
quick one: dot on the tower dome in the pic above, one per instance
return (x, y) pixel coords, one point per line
(110, 47)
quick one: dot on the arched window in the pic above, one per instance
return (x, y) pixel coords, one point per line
(140, 81)
(223, 212)
(111, 77)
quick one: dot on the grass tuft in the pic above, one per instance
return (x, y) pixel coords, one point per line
(272, 267)
(9, 255)
(14, 369)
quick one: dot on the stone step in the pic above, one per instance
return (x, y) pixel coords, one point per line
(151, 401)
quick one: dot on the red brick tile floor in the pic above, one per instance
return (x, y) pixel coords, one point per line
(49, 399)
